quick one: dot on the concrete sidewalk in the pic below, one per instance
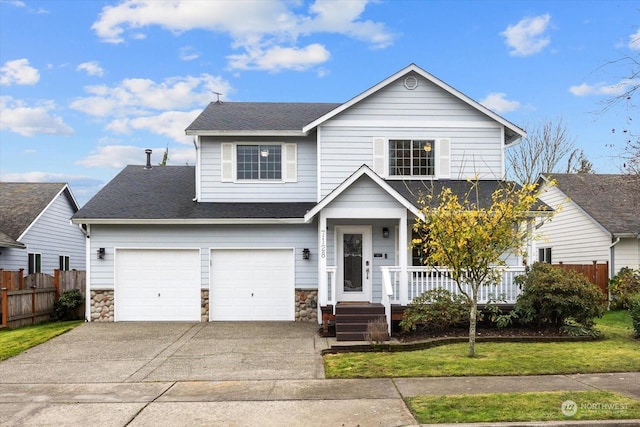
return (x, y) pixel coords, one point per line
(206, 374)
(364, 402)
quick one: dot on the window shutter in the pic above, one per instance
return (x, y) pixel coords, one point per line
(290, 166)
(379, 156)
(443, 153)
(226, 167)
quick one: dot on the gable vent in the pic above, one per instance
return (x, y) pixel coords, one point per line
(410, 82)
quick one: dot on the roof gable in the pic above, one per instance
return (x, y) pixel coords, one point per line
(24, 202)
(364, 170)
(611, 200)
(514, 131)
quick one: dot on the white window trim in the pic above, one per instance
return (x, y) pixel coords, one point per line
(229, 162)
(35, 254)
(67, 257)
(442, 158)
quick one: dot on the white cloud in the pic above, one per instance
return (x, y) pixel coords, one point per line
(188, 53)
(634, 40)
(527, 36)
(497, 102)
(170, 124)
(263, 30)
(281, 58)
(602, 88)
(118, 156)
(92, 68)
(28, 120)
(18, 72)
(143, 97)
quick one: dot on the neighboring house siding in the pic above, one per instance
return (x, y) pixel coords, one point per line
(346, 141)
(51, 235)
(573, 236)
(213, 189)
(206, 238)
(627, 254)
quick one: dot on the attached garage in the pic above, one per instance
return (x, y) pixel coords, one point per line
(252, 284)
(157, 285)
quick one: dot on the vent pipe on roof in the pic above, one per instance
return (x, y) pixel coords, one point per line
(148, 152)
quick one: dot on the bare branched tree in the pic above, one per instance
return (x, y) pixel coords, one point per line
(542, 151)
(578, 162)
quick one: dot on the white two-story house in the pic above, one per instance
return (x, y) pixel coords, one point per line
(291, 208)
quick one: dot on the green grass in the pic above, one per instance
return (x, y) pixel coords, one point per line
(500, 407)
(15, 341)
(618, 352)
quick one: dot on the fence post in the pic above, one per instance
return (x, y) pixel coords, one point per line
(21, 279)
(5, 306)
(56, 282)
(33, 305)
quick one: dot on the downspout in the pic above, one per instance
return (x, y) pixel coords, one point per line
(611, 267)
(87, 286)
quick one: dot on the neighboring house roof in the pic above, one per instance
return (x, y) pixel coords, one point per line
(613, 201)
(254, 118)
(8, 242)
(23, 202)
(281, 118)
(164, 194)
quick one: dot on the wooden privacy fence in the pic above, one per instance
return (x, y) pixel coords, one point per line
(598, 274)
(30, 299)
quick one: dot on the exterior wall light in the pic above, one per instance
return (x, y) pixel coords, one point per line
(306, 253)
(385, 233)
(101, 253)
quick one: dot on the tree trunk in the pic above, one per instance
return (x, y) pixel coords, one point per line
(473, 313)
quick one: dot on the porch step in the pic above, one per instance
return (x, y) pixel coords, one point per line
(352, 320)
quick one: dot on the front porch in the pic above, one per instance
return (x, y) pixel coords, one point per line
(401, 285)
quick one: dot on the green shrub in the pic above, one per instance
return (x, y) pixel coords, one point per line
(66, 306)
(634, 309)
(623, 285)
(435, 310)
(494, 314)
(554, 297)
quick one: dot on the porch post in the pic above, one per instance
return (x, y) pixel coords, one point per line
(402, 258)
(323, 292)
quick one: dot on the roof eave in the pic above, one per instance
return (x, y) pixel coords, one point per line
(183, 221)
(291, 132)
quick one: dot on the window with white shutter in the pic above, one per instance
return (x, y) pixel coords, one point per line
(259, 162)
(444, 158)
(379, 163)
(226, 166)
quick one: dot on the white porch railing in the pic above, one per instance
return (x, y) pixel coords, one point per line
(422, 279)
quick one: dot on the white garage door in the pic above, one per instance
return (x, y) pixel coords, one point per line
(157, 284)
(256, 284)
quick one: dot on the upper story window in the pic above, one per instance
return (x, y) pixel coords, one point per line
(412, 157)
(247, 162)
(63, 263)
(259, 162)
(417, 158)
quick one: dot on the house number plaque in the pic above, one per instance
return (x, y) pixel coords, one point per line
(323, 244)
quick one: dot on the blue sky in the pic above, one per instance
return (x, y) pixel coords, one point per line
(86, 86)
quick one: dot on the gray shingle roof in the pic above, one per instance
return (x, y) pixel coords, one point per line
(612, 200)
(22, 202)
(411, 190)
(259, 116)
(166, 193)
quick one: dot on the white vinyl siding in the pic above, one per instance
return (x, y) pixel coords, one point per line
(52, 234)
(468, 143)
(205, 237)
(571, 234)
(627, 254)
(217, 172)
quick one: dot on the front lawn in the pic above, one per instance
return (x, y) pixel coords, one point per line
(15, 341)
(500, 407)
(618, 352)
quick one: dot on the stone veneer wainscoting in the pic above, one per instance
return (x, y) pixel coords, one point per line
(204, 305)
(306, 305)
(102, 305)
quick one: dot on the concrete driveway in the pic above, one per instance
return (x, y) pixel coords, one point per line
(141, 351)
(186, 374)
